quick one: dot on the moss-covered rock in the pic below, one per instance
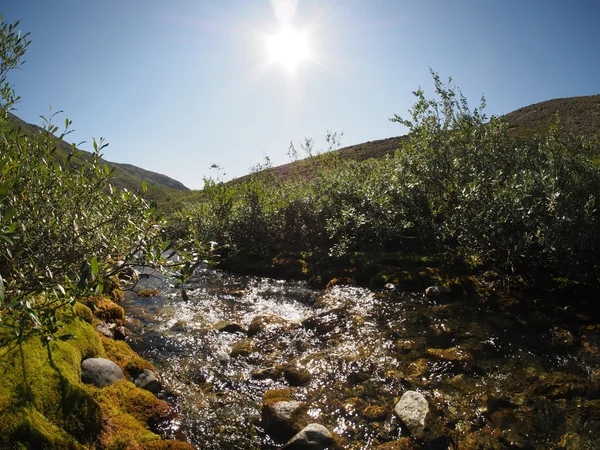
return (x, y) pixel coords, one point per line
(44, 405)
(83, 312)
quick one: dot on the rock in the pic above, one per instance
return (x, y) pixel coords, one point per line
(297, 376)
(100, 372)
(412, 410)
(284, 419)
(148, 293)
(104, 329)
(401, 444)
(179, 327)
(326, 321)
(266, 322)
(342, 281)
(389, 287)
(242, 348)
(129, 273)
(120, 333)
(312, 437)
(270, 373)
(148, 380)
(229, 327)
(375, 413)
(436, 291)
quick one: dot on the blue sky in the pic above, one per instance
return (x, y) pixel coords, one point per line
(176, 86)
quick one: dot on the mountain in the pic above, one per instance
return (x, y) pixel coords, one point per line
(580, 115)
(125, 175)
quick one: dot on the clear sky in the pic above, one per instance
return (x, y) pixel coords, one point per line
(176, 86)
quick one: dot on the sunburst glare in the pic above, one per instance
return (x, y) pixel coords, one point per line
(289, 47)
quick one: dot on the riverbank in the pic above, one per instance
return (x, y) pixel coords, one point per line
(45, 404)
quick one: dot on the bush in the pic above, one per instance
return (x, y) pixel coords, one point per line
(459, 186)
(64, 229)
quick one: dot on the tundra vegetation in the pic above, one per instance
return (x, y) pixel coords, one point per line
(460, 189)
(65, 236)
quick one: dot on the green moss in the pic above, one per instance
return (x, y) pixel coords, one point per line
(83, 312)
(137, 365)
(118, 351)
(130, 411)
(106, 310)
(44, 405)
(277, 395)
(41, 397)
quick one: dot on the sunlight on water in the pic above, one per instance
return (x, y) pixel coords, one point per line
(358, 351)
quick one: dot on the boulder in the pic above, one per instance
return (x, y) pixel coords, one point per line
(312, 437)
(148, 380)
(412, 410)
(100, 372)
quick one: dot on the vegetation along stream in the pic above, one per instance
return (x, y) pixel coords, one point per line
(496, 374)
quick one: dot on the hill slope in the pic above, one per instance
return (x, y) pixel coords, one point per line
(580, 115)
(125, 175)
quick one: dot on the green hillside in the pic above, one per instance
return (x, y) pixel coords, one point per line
(580, 115)
(125, 175)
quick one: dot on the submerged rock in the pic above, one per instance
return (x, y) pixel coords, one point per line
(312, 437)
(283, 419)
(148, 380)
(297, 376)
(412, 410)
(266, 322)
(100, 372)
(229, 327)
(436, 291)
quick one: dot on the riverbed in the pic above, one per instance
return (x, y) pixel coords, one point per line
(500, 372)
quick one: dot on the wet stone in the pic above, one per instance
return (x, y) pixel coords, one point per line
(412, 410)
(104, 329)
(270, 373)
(148, 380)
(436, 291)
(297, 376)
(266, 322)
(312, 437)
(121, 333)
(230, 327)
(284, 419)
(242, 348)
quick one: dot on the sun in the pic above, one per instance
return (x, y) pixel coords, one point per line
(289, 48)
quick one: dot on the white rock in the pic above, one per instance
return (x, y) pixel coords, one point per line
(412, 409)
(312, 437)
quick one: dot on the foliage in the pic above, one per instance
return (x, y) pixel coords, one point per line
(65, 231)
(460, 186)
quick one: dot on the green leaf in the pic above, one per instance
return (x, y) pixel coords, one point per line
(144, 186)
(94, 266)
(2, 292)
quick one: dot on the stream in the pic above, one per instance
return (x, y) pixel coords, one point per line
(496, 374)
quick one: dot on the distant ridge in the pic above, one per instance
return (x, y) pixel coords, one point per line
(125, 175)
(580, 115)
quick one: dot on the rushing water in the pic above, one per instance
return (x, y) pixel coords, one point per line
(492, 373)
